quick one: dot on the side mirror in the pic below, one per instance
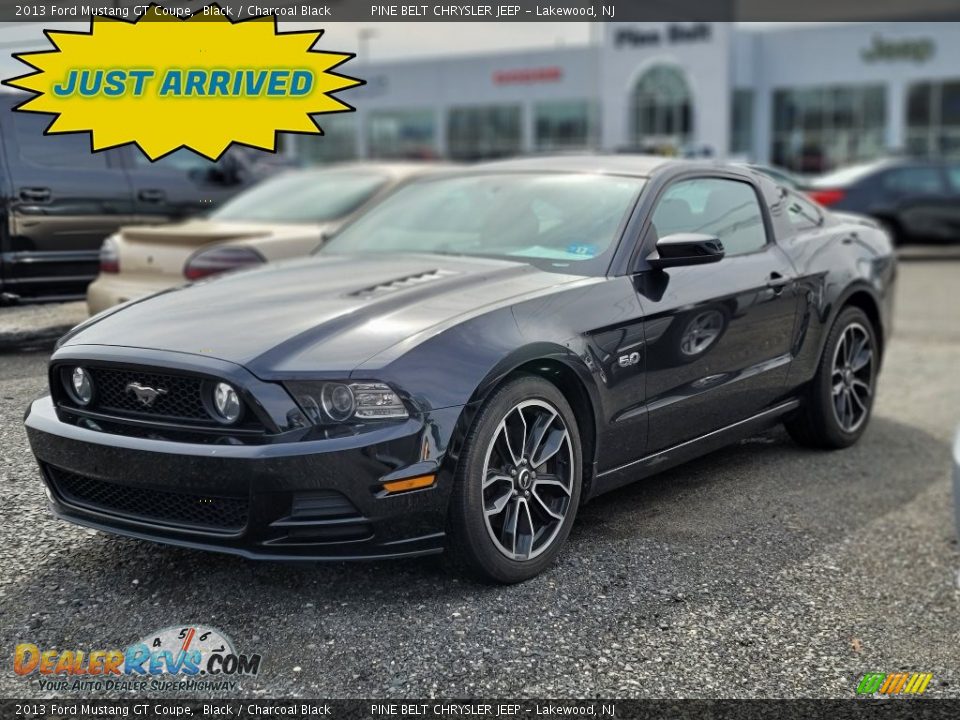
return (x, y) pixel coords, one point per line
(686, 249)
(226, 171)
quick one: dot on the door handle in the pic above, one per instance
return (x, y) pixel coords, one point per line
(152, 196)
(777, 282)
(35, 194)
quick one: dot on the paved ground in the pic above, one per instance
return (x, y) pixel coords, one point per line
(761, 570)
(34, 326)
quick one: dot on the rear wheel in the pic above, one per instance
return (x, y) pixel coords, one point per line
(839, 400)
(517, 484)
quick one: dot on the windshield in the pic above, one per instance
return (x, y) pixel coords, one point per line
(302, 197)
(561, 222)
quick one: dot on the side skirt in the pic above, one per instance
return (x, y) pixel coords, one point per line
(681, 453)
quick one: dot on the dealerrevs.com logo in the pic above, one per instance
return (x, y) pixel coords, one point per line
(196, 657)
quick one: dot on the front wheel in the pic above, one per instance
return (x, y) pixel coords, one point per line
(517, 484)
(840, 397)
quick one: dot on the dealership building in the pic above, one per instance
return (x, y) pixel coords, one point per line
(804, 97)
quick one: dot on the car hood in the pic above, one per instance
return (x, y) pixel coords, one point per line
(327, 313)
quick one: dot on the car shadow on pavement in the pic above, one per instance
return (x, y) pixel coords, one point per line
(764, 502)
(768, 481)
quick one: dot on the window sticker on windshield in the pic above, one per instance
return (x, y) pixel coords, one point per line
(587, 251)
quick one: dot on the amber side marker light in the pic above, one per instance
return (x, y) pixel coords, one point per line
(417, 483)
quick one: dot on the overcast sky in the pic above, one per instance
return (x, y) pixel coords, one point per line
(406, 39)
(399, 39)
(388, 40)
(393, 40)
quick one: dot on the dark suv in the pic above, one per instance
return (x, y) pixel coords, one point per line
(60, 200)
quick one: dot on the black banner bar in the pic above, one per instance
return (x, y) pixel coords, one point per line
(93, 709)
(48, 11)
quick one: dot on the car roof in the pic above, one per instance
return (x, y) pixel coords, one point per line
(396, 170)
(850, 174)
(618, 164)
(856, 172)
(392, 172)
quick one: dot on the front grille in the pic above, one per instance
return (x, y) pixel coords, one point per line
(182, 399)
(207, 512)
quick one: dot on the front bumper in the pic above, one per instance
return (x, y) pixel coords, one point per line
(309, 500)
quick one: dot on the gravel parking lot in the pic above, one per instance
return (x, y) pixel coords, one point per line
(761, 570)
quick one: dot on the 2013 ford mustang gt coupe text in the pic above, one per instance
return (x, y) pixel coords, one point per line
(466, 364)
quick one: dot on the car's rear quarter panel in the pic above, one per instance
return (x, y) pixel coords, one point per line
(842, 262)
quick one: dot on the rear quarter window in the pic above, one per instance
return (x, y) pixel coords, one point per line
(953, 177)
(912, 180)
(802, 214)
(71, 150)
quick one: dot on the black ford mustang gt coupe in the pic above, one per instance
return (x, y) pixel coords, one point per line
(463, 366)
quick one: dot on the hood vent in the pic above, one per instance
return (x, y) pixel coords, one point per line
(402, 283)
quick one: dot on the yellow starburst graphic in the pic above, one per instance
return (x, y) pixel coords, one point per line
(203, 83)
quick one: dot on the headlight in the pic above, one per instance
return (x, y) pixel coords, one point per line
(226, 403)
(376, 401)
(326, 403)
(82, 386)
(338, 401)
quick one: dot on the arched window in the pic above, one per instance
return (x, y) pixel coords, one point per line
(661, 107)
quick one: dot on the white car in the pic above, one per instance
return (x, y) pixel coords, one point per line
(289, 215)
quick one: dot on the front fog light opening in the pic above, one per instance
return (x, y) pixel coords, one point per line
(225, 403)
(80, 386)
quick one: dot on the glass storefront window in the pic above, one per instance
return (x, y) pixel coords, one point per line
(875, 107)
(565, 125)
(918, 105)
(338, 142)
(477, 133)
(950, 104)
(820, 128)
(933, 119)
(402, 134)
(741, 123)
(661, 108)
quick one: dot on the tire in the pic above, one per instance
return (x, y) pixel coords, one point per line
(833, 419)
(535, 506)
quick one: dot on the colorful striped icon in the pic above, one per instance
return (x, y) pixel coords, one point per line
(898, 683)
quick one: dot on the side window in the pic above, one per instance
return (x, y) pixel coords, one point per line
(913, 181)
(803, 215)
(183, 160)
(727, 209)
(953, 176)
(56, 151)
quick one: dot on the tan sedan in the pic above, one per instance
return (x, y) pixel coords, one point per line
(286, 216)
